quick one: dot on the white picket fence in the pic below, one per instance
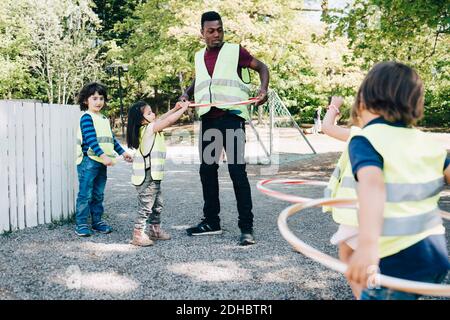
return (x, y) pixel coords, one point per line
(38, 177)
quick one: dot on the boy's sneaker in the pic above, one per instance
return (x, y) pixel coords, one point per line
(83, 230)
(102, 227)
(203, 229)
(246, 239)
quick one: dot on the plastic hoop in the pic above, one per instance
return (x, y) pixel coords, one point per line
(261, 186)
(334, 264)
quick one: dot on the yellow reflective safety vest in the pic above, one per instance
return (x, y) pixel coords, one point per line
(153, 161)
(413, 174)
(104, 138)
(225, 85)
(342, 184)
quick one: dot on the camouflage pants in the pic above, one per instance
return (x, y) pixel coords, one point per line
(150, 202)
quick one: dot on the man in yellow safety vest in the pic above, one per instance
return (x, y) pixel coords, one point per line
(222, 75)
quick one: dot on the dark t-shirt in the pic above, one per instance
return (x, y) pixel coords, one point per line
(245, 58)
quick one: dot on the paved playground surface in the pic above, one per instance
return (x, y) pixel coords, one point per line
(51, 262)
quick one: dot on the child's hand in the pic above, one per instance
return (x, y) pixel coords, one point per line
(183, 105)
(107, 161)
(337, 101)
(178, 106)
(127, 157)
(361, 264)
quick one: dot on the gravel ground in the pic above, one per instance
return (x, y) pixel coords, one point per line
(51, 262)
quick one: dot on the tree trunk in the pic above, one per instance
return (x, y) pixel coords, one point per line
(156, 99)
(324, 8)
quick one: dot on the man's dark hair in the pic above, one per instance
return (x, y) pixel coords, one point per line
(210, 16)
(89, 90)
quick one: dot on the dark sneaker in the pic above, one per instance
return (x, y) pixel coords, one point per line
(204, 228)
(83, 230)
(246, 239)
(102, 227)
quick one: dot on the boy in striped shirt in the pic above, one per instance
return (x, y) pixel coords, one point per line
(96, 150)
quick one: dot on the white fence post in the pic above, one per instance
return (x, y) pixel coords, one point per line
(12, 172)
(46, 124)
(4, 198)
(40, 162)
(19, 158)
(37, 163)
(29, 164)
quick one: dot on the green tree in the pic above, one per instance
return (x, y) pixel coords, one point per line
(16, 80)
(164, 35)
(47, 47)
(110, 12)
(62, 36)
(412, 32)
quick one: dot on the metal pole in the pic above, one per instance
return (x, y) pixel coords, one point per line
(259, 139)
(121, 105)
(271, 128)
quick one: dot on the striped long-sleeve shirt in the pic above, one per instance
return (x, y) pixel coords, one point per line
(90, 137)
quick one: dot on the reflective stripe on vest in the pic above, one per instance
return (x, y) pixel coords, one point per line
(225, 85)
(104, 138)
(343, 185)
(222, 82)
(157, 158)
(400, 192)
(395, 193)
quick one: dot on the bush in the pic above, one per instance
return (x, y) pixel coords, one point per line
(437, 108)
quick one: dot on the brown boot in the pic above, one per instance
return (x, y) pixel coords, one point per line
(141, 239)
(156, 233)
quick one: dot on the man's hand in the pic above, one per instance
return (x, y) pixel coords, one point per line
(127, 157)
(107, 161)
(262, 97)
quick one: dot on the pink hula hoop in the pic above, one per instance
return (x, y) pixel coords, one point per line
(423, 288)
(261, 186)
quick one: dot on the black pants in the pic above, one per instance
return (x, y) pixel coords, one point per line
(226, 132)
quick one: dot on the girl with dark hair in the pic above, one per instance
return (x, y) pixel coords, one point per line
(342, 185)
(399, 172)
(144, 133)
(96, 148)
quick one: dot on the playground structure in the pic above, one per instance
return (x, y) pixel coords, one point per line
(273, 121)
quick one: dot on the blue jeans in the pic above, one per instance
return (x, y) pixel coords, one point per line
(92, 181)
(389, 294)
